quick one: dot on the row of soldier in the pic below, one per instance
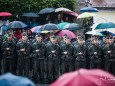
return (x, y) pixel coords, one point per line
(47, 61)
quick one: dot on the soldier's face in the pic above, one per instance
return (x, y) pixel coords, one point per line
(67, 41)
(39, 39)
(53, 40)
(24, 38)
(110, 41)
(9, 37)
(95, 41)
(80, 41)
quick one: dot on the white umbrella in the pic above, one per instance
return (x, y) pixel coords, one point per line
(62, 9)
(86, 14)
(93, 32)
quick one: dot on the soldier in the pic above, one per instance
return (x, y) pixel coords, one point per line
(52, 53)
(0, 53)
(67, 56)
(109, 56)
(38, 51)
(95, 54)
(80, 52)
(23, 50)
(8, 49)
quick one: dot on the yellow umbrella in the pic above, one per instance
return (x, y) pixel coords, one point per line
(86, 14)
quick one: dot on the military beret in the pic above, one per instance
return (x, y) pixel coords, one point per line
(38, 35)
(24, 34)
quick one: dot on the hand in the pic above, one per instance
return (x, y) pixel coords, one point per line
(95, 53)
(65, 52)
(7, 48)
(80, 53)
(37, 50)
(53, 51)
(22, 50)
(109, 51)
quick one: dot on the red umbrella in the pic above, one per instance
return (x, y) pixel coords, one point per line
(72, 13)
(84, 77)
(5, 14)
(67, 32)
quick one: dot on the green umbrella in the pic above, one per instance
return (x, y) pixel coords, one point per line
(62, 25)
(105, 25)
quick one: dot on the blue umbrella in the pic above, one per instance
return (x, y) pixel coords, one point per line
(88, 9)
(16, 24)
(30, 14)
(12, 80)
(72, 26)
(105, 25)
(46, 10)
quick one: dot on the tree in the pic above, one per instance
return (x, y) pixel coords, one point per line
(21, 6)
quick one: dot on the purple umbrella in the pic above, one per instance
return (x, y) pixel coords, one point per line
(67, 32)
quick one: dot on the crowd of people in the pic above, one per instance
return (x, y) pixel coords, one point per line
(45, 60)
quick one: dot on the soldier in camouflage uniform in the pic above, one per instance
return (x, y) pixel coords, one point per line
(109, 56)
(38, 51)
(80, 52)
(95, 54)
(67, 56)
(8, 49)
(52, 54)
(23, 50)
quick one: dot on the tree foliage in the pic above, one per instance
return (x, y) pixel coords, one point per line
(21, 6)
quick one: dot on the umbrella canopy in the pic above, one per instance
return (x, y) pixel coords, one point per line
(63, 10)
(62, 25)
(105, 25)
(5, 14)
(71, 26)
(88, 9)
(94, 33)
(30, 14)
(36, 29)
(107, 33)
(67, 32)
(84, 77)
(47, 10)
(12, 80)
(86, 14)
(49, 27)
(74, 14)
(16, 24)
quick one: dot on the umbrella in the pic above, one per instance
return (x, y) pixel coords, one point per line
(30, 14)
(105, 25)
(46, 10)
(62, 9)
(16, 24)
(84, 77)
(88, 9)
(67, 32)
(94, 33)
(49, 26)
(86, 14)
(74, 14)
(5, 14)
(4, 27)
(12, 80)
(71, 26)
(63, 24)
(36, 29)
